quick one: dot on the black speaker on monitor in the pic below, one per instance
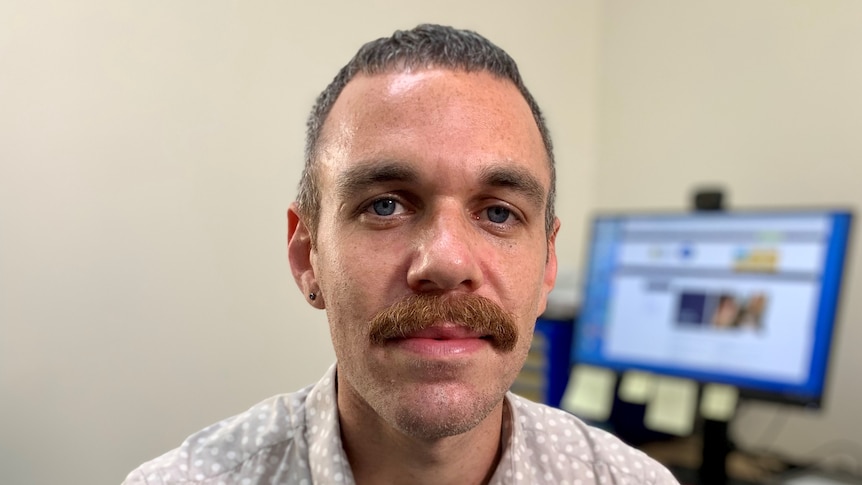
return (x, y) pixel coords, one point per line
(711, 199)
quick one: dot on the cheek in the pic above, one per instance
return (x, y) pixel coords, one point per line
(526, 290)
(355, 284)
(524, 346)
(374, 263)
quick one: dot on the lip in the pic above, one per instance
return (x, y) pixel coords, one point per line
(442, 341)
(445, 332)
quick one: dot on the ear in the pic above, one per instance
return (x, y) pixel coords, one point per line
(299, 253)
(550, 277)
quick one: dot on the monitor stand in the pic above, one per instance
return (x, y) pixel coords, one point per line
(716, 444)
(716, 447)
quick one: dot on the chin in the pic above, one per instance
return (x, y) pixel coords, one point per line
(442, 411)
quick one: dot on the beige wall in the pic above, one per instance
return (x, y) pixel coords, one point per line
(148, 151)
(764, 98)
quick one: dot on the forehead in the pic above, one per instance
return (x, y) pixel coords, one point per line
(433, 117)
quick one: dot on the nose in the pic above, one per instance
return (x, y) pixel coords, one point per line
(447, 254)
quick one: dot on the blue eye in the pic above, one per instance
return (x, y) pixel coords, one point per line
(384, 207)
(498, 215)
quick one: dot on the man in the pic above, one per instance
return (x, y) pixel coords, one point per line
(424, 226)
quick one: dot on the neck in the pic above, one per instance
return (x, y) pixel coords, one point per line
(382, 454)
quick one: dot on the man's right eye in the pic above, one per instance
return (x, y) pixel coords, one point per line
(384, 207)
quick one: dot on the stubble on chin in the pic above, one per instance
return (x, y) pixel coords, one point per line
(430, 400)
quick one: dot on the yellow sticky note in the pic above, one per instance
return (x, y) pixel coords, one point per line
(718, 402)
(636, 387)
(590, 393)
(673, 406)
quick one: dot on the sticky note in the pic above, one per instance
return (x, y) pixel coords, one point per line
(590, 392)
(673, 406)
(718, 402)
(636, 387)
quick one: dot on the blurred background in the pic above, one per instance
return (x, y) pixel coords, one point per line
(149, 150)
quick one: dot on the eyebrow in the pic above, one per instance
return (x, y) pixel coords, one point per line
(516, 178)
(361, 177)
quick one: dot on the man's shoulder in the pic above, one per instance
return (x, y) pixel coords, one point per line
(562, 438)
(270, 430)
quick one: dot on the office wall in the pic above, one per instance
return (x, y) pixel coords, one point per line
(762, 98)
(148, 151)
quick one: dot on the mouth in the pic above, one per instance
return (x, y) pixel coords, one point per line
(443, 341)
(446, 332)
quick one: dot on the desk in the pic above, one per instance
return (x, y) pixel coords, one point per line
(683, 455)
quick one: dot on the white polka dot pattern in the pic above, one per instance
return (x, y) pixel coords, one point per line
(550, 446)
(295, 439)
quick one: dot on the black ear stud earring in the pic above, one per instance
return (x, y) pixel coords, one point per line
(312, 296)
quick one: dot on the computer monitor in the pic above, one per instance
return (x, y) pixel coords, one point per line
(747, 299)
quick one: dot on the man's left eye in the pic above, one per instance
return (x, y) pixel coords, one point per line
(498, 215)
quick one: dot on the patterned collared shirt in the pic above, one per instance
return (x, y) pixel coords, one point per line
(295, 439)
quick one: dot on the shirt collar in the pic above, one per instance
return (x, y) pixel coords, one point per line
(326, 458)
(513, 461)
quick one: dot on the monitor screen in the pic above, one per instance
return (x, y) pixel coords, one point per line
(741, 298)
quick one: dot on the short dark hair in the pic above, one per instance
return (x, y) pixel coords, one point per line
(426, 46)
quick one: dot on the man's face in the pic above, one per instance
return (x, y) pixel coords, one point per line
(432, 182)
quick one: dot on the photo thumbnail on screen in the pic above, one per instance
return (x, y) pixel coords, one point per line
(722, 310)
